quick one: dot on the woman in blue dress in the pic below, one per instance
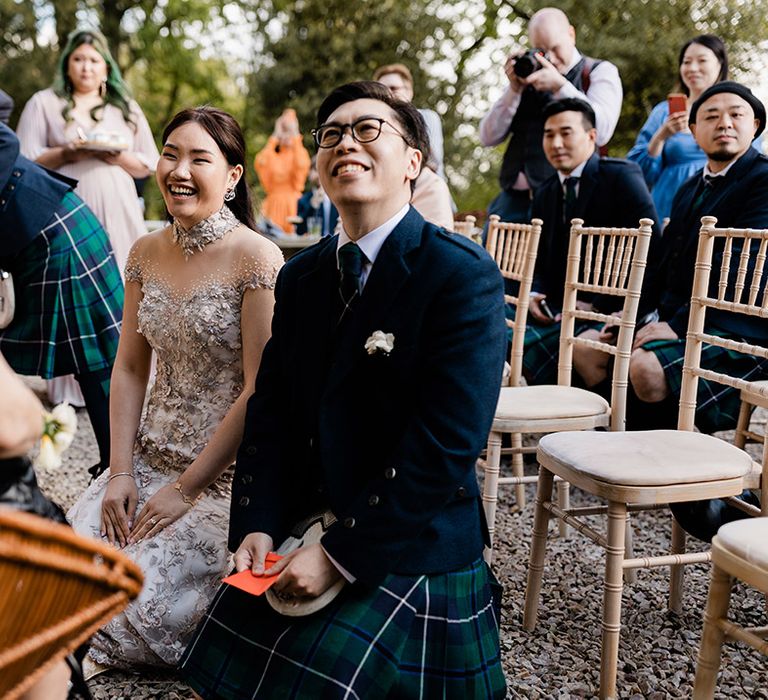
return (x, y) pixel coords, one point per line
(665, 148)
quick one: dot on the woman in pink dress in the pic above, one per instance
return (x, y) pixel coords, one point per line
(86, 126)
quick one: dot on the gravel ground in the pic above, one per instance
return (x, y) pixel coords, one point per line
(561, 658)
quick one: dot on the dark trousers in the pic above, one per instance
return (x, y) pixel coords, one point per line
(97, 404)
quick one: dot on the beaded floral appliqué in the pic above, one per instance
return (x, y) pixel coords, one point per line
(195, 238)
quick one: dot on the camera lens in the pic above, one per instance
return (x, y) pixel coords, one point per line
(526, 64)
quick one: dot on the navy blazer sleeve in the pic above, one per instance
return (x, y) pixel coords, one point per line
(463, 361)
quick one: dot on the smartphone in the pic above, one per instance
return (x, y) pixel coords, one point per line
(546, 310)
(677, 102)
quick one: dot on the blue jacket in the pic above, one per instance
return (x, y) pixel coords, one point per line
(388, 443)
(28, 195)
(305, 210)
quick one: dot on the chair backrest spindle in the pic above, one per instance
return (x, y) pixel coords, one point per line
(514, 248)
(604, 261)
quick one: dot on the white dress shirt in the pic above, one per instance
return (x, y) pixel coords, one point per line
(371, 242)
(604, 94)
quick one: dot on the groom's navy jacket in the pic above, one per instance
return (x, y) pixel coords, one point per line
(387, 442)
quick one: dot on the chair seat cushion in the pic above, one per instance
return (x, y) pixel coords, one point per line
(747, 539)
(548, 402)
(647, 458)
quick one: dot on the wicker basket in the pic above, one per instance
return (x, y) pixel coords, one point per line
(56, 589)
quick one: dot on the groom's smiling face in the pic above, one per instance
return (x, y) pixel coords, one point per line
(379, 171)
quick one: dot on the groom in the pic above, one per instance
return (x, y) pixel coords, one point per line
(374, 398)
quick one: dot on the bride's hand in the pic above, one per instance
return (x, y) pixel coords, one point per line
(118, 508)
(165, 507)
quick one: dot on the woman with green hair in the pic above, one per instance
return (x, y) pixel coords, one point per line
(88, 127)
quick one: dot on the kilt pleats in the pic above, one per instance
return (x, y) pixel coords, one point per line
(412, 637)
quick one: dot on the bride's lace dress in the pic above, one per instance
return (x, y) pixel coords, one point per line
(196, 339)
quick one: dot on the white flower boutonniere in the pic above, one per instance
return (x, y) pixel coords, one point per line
(59, 430)
(379, 341)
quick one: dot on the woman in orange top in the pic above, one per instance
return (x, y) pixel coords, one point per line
(282, 166)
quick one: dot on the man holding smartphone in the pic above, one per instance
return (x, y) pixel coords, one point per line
(602, 191)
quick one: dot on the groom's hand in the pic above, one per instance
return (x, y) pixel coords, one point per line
(252, 553)
(304, 573)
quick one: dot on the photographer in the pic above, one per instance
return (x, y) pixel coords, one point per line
(554, 69)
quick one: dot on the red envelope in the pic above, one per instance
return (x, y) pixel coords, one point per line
(255, 585)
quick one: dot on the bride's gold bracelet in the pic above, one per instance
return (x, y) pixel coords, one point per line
(189, 501)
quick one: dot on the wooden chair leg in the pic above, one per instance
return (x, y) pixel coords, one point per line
(517, 469)
(630, 575)
(491, 488)
(538, 549)
(614, 584)
(676, 570)
(712, 636)
(742, 424)
(564, 502)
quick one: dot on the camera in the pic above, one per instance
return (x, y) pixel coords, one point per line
(528, 63)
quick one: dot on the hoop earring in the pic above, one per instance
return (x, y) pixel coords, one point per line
(229, 195)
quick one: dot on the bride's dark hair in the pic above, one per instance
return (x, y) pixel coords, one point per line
(226, 132)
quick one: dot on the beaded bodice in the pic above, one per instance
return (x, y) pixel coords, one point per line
(195, 335)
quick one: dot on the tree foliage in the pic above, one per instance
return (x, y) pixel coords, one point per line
(255, 57)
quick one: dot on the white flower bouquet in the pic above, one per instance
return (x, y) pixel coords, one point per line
(59, 429)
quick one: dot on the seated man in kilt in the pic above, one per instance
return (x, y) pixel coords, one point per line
(602, 192)
(69, 295)
(373, 400)
(733, 186)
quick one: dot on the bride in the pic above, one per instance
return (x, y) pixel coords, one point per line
(199, 295)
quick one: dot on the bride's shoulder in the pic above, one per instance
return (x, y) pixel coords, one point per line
(146, 250)
(257, 259)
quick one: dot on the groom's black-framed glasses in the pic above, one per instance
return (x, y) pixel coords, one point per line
(363, 130)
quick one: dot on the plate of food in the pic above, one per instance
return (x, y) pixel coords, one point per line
(102, 141)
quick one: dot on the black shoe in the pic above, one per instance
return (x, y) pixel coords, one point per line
(703, 519)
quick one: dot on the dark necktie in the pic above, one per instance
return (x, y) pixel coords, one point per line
(351, 260)
(707, 188)
(569, 205)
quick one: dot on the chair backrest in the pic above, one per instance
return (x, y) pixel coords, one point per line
(741, 288)
(466, 227)
(514, 248)
(604, 261)
(56, 590)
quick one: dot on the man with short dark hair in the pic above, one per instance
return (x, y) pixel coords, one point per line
(561, 71)
(602, 192)
(374, 397)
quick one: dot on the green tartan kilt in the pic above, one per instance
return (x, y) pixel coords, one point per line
(69, 298)
(430, 636)
(717, 405)
(541, 348)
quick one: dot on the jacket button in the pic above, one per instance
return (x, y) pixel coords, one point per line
(247, 479)
(389, 473)
(17, 173)
(2, 201)
(461, 492)
(11, 187)
(349, 522)
(251, 450)
(373, 500)
(244, 501)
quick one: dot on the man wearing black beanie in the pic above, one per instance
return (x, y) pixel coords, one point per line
(733, 187)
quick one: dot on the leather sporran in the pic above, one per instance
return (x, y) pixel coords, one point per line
(7, 299)
(307, 532)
